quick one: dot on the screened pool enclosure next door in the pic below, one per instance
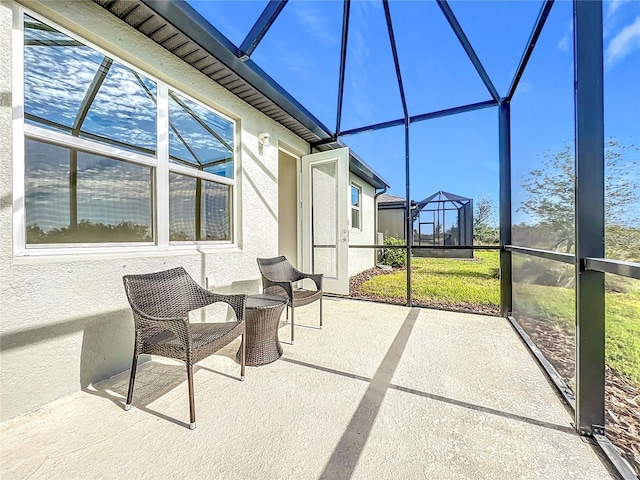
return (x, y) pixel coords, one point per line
(325, 220)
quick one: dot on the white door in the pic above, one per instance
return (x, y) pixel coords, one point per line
(325, 217)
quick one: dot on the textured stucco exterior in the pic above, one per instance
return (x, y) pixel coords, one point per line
(65, 322)
(361, 259)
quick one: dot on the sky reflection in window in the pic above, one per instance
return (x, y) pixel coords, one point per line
(73, 88)
(199, 137)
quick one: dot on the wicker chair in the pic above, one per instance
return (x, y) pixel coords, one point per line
(161, 303)
(278, 276)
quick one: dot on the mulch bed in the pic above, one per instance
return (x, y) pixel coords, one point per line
(622, 399)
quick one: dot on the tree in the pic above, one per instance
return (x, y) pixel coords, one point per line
(550, 195)
(485, 228)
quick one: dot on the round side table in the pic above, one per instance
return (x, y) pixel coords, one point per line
(262, 319)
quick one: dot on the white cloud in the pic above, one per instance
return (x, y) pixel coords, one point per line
(565, 43)
(625, 42)
(613, 16)
(524, 87)
(614, 5)
(316, 23)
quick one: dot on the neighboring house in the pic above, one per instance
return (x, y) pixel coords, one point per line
(391, 216)
(442, 219)
(131, 150)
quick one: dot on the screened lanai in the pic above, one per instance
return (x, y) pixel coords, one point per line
(390, 78)
(531, 106)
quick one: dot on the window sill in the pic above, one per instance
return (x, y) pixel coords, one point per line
(78, 254)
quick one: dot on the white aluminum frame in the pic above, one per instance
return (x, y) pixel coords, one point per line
(160, 162)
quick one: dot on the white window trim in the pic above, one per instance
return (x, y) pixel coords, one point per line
(49, 136)
(160, 162)
(19, 214)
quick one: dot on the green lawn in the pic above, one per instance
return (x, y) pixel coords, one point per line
(476, 283)
(622, 313)
(435, 280)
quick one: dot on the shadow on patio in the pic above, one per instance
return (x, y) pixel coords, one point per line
(381, 392)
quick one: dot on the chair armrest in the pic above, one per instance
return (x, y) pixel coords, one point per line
(237, 301)
(286, 286)
(316, 277)
(161, 321)
(179, 326)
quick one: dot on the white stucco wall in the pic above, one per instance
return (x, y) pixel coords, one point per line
(362, 259)
(64, 320)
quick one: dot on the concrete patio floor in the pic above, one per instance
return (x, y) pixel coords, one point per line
(380, 392)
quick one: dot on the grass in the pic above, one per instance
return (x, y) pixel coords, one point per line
(473, 282)
(622, 314)
(476, 283)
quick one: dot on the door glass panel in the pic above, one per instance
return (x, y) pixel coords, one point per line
(324, 218)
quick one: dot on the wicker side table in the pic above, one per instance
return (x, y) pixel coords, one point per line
(262, 319)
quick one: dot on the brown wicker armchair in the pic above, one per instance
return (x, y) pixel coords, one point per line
(278, 276)
(161, 303)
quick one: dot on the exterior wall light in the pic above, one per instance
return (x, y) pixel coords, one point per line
(263, 141)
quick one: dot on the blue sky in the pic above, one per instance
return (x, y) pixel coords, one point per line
(458, 154)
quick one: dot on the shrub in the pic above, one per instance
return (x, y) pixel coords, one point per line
(394, 257)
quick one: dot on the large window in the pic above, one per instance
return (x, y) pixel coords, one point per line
(98, 168)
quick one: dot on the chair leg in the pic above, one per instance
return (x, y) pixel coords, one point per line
(242, 358)
(293, 313)
(321, 312)
(132, 378)
(192, 402)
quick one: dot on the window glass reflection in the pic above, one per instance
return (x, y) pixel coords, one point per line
(199, 138)
(216, 211)
(355, 207)
(182, 208)
(46, 191)
(57, 74)
(75, 89)
(123, 111)
(198, 209)
(78, 197)
(355, 196)
(115, 198)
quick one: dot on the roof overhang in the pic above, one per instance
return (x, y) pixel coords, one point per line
(358, 166)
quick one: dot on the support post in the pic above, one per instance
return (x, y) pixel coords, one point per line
(589, 203)
(506, 285)
(408, 212)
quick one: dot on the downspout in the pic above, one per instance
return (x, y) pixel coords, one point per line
(375, 206)
(375, 220)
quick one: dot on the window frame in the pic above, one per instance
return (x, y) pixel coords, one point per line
(159, 162)
(357, 207)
